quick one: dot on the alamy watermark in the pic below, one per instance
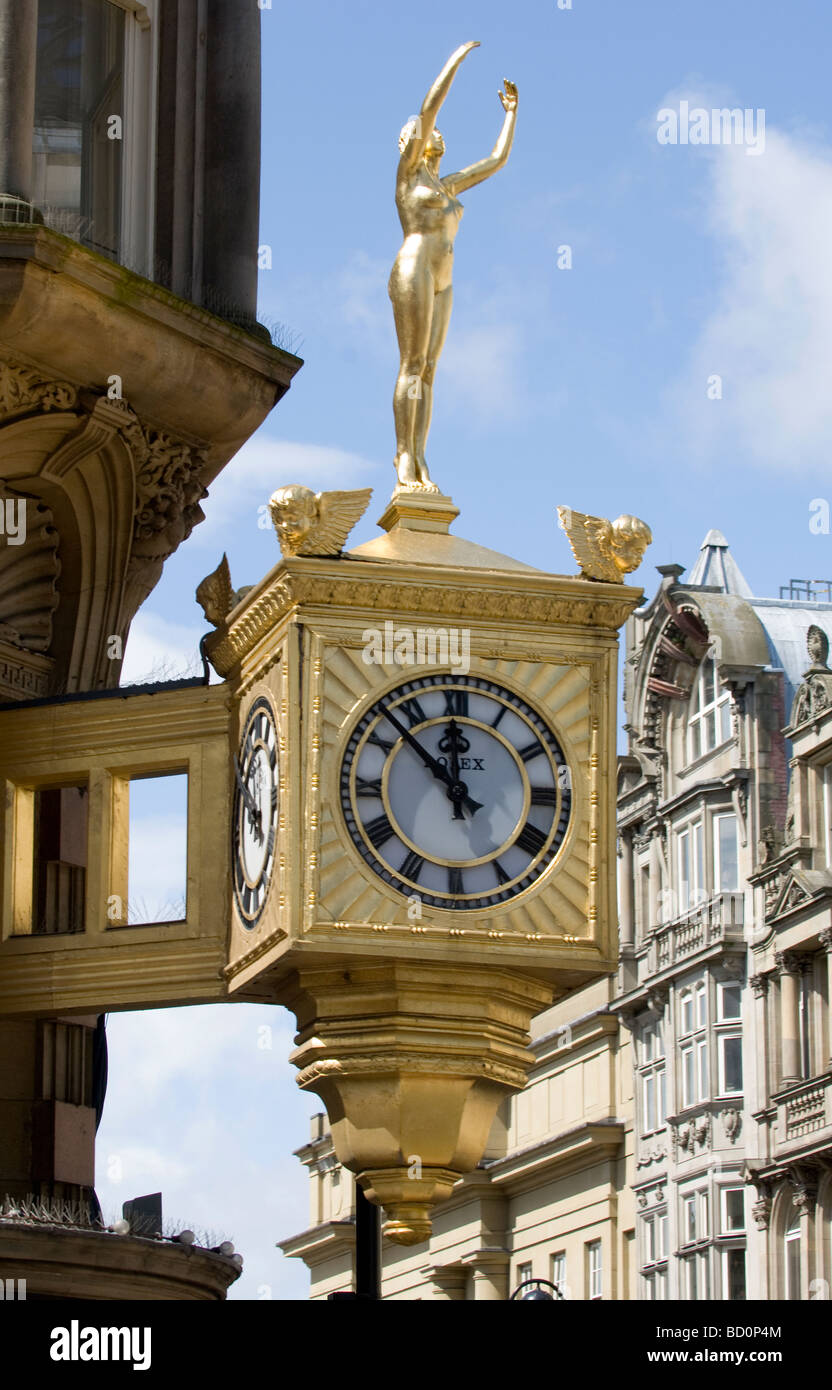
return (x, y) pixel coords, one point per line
(721, 126)
(420, 646)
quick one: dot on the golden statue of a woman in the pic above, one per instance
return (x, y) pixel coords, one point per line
(421, 279)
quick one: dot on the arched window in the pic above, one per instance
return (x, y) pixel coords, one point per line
(791, 1253)
(709, 714)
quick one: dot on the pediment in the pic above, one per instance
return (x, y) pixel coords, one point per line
(800, 888)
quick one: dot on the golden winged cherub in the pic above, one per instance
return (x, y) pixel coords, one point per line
(310, 523)
(605, 550)
(215, 595)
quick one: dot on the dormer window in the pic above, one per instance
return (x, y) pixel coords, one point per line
(709, 717)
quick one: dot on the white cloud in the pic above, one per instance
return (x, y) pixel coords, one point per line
(218, 1115)
(767, 334)
(261, 466)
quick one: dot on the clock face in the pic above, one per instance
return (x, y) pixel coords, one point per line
(255, 812)
(455, 789)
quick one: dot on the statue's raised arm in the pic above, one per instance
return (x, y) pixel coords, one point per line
(421, 279)
(417, 133)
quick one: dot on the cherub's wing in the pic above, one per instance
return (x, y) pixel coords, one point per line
(338, 512)
(215, 594)
(589, 537)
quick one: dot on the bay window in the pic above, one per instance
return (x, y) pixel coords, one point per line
(93, 156)
(709, 713)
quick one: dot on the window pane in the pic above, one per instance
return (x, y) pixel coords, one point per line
(689, 1218)
(734, 1209)
(708, 682)
(687, 1012)
(687, 1075)
(650, 1102)
(735, 1275)
(710, 730)
(704, 1087)
(684, 870)
(731, 1064)
(698, 861)
(793, 1266)
(730, 1001)
(79, 88)
(701, 1006)
(695, 741)
(725, 721)
(726, 845)
(662, 1098)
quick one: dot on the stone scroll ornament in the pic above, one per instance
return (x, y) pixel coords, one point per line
(420, 285)
(605, 550)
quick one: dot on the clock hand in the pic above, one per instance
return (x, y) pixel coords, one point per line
(455, 742)
(251, 805)
(435, 766)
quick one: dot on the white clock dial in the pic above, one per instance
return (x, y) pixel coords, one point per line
(255, 812)
(455, 789)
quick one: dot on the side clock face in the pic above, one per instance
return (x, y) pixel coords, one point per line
(255, 812)
(455, 789)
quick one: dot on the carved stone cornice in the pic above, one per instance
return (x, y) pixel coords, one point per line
(450, 594)
(23, 389)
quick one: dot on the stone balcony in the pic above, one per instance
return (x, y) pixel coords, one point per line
(718, 921)
(803, 1115)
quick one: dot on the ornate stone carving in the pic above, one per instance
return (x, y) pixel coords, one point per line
(23, 390)
(169, 489)
(803, 1182)
(28, 573)
(296, 586)
(759, 984)
(732, 1123)
(761, 1211)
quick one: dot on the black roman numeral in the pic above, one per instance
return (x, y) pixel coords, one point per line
(455, 884)
(496, 722)
(544, 796)
(412, 867)
(456, 703)
(532, 750)
(502, 876)
(378, 831)
(412, 711)
(364, 787)
(531, 839)
(380, 742)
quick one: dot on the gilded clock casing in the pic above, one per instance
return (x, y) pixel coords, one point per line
(301, 636)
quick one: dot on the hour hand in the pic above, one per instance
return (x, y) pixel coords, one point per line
(457, 791)
(251, 805)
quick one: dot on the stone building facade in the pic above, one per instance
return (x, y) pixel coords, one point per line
(132, 368)
(697, 1164)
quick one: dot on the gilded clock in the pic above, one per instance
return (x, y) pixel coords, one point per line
(255, 812)
(454, 788)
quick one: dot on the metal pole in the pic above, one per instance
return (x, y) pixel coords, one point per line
(367, 1247)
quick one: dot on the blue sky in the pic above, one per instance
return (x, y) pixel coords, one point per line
(586, 386)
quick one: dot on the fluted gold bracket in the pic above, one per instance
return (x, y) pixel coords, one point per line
(411, 1061)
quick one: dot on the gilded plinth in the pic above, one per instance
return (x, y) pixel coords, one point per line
(411, 1061)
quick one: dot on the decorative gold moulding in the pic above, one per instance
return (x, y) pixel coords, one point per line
(411, 1061)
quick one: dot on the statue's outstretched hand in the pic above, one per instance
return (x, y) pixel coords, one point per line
(509, 96)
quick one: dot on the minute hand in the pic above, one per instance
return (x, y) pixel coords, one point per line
(435, 766)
